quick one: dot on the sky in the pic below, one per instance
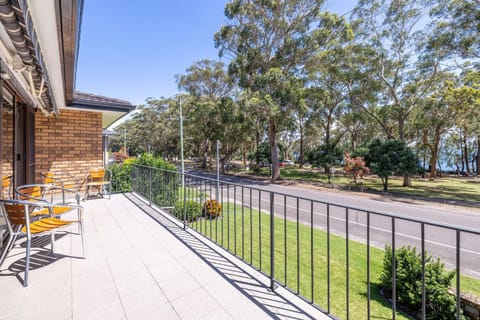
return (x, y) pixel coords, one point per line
(132, 50)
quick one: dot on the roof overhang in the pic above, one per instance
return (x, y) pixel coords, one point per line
(111, 109)
(68, 19)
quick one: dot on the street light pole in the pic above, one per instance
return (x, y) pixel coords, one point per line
(125, 142)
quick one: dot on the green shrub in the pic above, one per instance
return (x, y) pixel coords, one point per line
(121, 174)
(439, 303)
(212, 209)
(149, 160)
(192, 210)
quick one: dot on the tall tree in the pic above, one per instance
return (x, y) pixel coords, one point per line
(391, 30)
(269, 41)
(434, 117)
(208, 84)
(456, 28)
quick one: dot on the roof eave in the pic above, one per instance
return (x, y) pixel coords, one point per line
(69, 16)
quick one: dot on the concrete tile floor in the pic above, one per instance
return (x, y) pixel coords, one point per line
(140, 265)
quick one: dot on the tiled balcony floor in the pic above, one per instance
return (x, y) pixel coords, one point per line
(140, 265)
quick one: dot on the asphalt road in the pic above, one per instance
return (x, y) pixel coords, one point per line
(440, 242)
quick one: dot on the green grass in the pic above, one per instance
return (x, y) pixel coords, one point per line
(254, 248)
(450, 188)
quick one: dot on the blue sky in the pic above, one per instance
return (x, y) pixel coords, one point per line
(132, 50)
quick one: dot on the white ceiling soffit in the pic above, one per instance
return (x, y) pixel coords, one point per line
(44, 19)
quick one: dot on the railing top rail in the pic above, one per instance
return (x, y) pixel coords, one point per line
(155, 168)
(335, 204)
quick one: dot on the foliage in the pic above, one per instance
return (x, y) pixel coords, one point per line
(456, 28)
(191, 209)
(325, 156)
(121, 176)
(149, 160)
(391, 157)
(269, 43)
(212, 208)
(440, 303)
(298, 76)
(121, 173)
(263, 153)
(355, 167)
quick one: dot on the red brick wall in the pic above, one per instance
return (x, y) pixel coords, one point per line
(69, 143)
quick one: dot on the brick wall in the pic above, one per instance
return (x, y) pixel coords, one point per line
(7, 140)
(69, 143)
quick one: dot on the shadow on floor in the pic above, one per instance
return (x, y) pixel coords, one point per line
(270, 302)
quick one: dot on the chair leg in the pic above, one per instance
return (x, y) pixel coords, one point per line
(83, 238)
(52, 241)
(27, 261)
(6, 249)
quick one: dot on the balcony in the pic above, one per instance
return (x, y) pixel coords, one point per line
(140, 265)
(267, 255)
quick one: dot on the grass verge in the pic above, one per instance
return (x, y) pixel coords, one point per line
(449, 188)
(246, 233)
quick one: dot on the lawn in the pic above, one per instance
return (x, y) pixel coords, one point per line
(448, 188)
(246, 234)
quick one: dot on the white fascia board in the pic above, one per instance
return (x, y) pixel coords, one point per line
(45, 22)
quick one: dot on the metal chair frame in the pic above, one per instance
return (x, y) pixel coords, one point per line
(96, 179)
(21, 226)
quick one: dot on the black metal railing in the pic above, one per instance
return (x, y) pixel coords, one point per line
(328, 254)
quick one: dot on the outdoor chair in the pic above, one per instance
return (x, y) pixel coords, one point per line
(19, 223)
(47, 193)
(6, 187)
(99, 179)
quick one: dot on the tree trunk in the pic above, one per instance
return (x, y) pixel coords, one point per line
(465, 152)
(434, 151)
(478, 155)
(205, 154)
(244, 155)
(272, 136)
(257, 143)
(407, 181)
(401, 131)
(300, 156)
(385, 183)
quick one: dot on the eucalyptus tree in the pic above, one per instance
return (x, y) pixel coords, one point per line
(208, 84)
(152, 128)
(435, 117)
(465, 97)
(268, 42)
(456, 28)
(391, 30)
(326, 100)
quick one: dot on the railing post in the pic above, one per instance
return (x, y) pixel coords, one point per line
(457, 274)
(272, 242)
(184, 189)
(150, 186)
